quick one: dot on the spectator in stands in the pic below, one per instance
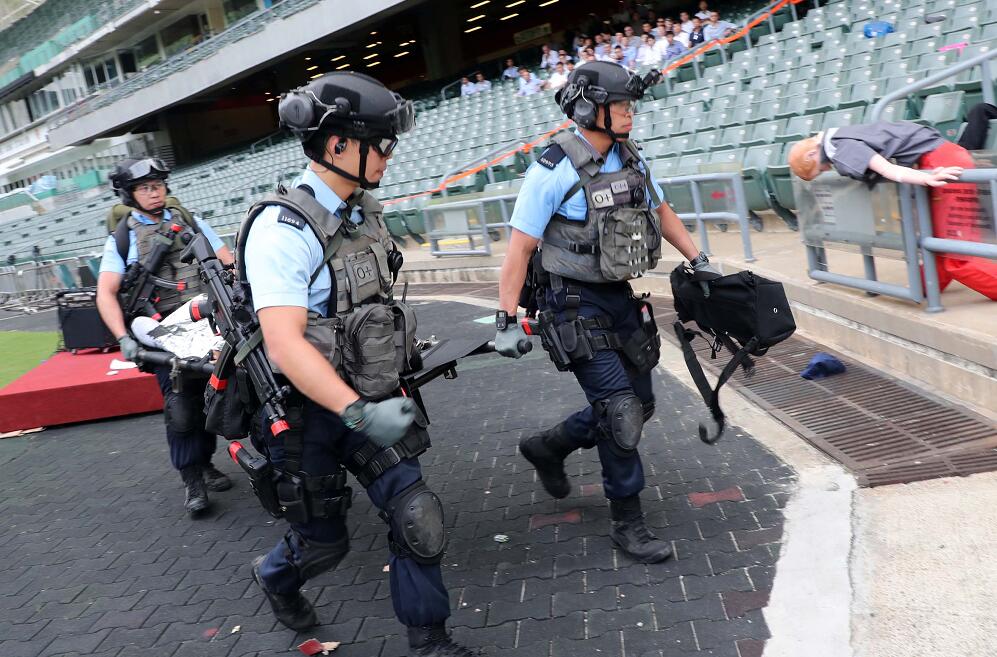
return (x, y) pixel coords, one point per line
(558, 78)
(588, 55)
(978, 118)
(569, 67)
(681, 36)
(716, 28)
(649, 54)
(510, 72)
(586, 43)
(618, 57)
(673, 47)
(685, 21)
(564, 57)
(482, 83)
(628, 31)
(604, 52)
(645, 28)
(467, 88)
(548, 57)
(659, 28)
(528, 84)
(696, 37)
(630, 49)
(704, 11)
(144, 215)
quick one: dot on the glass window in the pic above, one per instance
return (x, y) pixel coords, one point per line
(146, 53)
(112, 69)
(181, 35)
(98, 70)
(88, 76)
(236, 9)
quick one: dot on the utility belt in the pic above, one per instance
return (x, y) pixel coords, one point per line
(293, 494)
(572, 339)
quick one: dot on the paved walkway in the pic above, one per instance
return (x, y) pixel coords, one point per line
(99, 559)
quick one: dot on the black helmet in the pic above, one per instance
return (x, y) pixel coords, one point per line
(350, 105)
(129, 173)
(596, 84)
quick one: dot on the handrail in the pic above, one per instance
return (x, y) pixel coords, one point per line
(268, 139)
(982, 60)
(442, 185)
(443, 91)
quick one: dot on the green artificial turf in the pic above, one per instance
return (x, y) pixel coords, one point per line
(21, 351)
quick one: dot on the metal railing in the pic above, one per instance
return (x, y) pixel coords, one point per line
(986, 82)
(916, 243)
(739, 215)
(478, 226)
(931, 245)
(481, 159)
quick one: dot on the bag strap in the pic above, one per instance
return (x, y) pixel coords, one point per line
(711, 396)
(635, 154)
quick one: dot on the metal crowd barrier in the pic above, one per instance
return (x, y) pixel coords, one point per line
(468, 217)
(838, 210)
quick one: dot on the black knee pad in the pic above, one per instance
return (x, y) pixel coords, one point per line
(648, 410)
(180, 413)
(622, 419)
(315, 558)
(415, 517)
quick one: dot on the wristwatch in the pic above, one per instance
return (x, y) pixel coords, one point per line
(699, 259)
(352, 415)
(503, 320)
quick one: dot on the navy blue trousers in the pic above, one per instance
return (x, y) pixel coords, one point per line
(183, 412)
(417, 590)
(608, 373)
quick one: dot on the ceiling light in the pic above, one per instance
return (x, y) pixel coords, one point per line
(336, 59)
(270, 100)
(311, 68)
(340, 68)
(317, 75)
(308, 59)
(473, 29)
(373, 33)
(267, 93)
(513, 4)
(549, 2)
(402, 45)
(476, 18)
(372, 45)
(402, 53)
(370, 56)
(372, 64)
(505, 18)
(480, 4)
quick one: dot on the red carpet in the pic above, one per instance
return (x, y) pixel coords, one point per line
(76, 388)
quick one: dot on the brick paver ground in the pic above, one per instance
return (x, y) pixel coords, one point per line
(98, 558)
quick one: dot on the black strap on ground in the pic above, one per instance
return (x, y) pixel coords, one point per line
(711, 396)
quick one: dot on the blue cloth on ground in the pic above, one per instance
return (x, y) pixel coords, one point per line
(822, 365)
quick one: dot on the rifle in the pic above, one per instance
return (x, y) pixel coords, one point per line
(236, 322)
(139, 285)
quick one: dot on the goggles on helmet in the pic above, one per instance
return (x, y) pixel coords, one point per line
(146, 168)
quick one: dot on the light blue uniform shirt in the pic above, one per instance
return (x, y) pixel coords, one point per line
(543, 190)
(280, 257)
(111, 259)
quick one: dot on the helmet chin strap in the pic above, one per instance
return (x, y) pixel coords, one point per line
(361, 179)
(615, 136)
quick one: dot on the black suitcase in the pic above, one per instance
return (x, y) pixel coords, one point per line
(79, 321)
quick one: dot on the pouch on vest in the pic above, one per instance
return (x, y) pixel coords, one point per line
(229, 401)
(628, 235)
(369, 351)
(407, 357)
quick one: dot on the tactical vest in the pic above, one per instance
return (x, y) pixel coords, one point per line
(620, 238)
(367, 336)
(171, 269)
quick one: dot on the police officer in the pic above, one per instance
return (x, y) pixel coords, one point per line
(600, 219)
(320, 265)
(148, 215)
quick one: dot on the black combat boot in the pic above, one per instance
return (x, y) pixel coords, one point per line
(546, 451)
(216, 480)
(631, 534)
(435, 641)
(293, 610)
(197, 495)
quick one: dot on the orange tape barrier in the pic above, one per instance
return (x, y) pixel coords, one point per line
(525, 148)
